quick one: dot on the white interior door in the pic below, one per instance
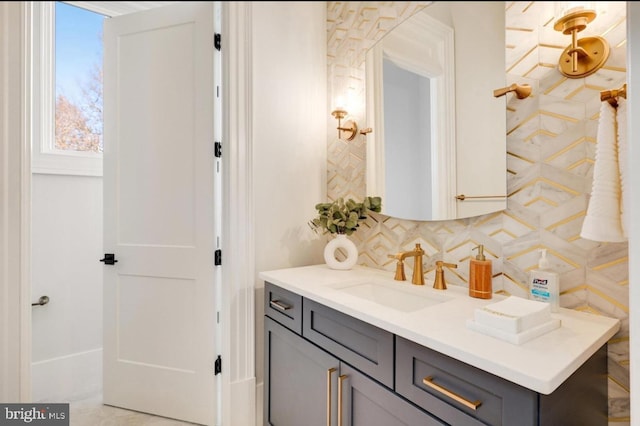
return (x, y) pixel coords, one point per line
(159, 307)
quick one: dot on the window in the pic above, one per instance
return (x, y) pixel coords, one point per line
(67, 89)
(78, 79)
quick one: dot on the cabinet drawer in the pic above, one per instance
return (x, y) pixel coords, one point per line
(355, 342)
(283, 306)
(459, 393)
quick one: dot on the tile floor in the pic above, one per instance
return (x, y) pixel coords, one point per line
(91, 412)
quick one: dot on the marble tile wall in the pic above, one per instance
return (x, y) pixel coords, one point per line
(551, 140)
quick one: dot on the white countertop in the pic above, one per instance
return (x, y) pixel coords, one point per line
(541, 364)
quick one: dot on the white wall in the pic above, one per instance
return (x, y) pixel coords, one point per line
(289, 139)
(66, 248)
(633, 73)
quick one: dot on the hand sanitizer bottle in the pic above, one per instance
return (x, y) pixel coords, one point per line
(544, 284)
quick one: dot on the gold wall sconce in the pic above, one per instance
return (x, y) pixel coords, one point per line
(348, 130)
(522, 91)
(587, 55)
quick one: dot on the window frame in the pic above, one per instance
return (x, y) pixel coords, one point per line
(46, 159)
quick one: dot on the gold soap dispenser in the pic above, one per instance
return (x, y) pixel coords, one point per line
(480, 275)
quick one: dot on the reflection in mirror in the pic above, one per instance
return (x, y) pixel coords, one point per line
(438, 132)
(410, 91)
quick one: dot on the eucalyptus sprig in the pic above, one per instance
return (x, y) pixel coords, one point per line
(343, 217)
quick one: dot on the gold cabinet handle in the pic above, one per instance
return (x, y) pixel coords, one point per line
(429, 382)
(340, 381)
(279, 305)
(329, 374)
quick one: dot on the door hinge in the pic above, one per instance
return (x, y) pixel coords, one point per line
(218, 149)
(218, 366)
(217, 40)
(218, 257)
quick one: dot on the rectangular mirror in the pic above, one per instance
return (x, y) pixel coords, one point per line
(438, 146)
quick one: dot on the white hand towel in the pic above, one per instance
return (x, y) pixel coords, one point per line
(623, 158)
(602, 222)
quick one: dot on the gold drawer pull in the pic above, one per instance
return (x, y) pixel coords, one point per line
(329, 374)
(340, 380)
(279, 305)
(473, 405)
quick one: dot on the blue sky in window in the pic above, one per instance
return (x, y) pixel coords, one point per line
(78, 48)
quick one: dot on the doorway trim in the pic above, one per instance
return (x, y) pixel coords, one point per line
(15, 210)
(238, 247)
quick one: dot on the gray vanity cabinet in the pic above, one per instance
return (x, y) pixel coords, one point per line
(322, 364)
(303, 381)
(303, 384)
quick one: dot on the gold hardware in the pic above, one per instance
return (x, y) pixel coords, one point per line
(611, 96)
(585, 56)
(463, 197)
(399, 268)
(480, 249)
(340, 380)
(521, 91)
(339, 114)
(471, 404)
(329, 374)
(349, 130)
(417, 253)
(440, 283)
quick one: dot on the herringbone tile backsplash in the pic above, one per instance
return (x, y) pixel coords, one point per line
(551, 140)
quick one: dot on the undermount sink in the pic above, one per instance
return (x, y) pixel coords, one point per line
(396, 296)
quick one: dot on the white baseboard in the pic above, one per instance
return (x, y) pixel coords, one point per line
(67, 378)
(260, 404)
(243, 407)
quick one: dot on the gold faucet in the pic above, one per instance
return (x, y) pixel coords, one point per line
(418, 275)
(439, 283)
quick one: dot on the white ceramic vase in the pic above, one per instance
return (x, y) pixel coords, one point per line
(341, 241)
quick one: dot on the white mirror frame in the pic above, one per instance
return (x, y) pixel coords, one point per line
(441, 71)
